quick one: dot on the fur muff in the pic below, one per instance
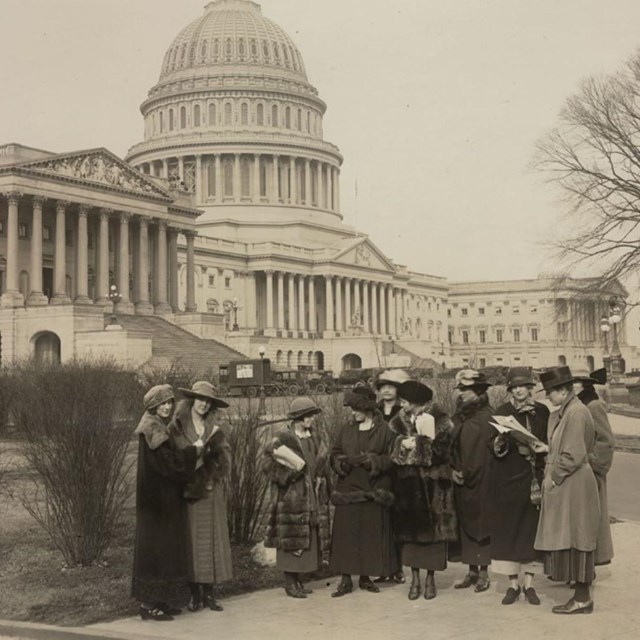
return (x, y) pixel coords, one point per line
(153, 429)
(291, 515)
(424, 509)
(216, 457)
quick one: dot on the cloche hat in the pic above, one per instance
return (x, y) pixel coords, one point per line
(205, 390)
(157, 395)
(599, 376)
(471, 379)
(303, 407)
(360, 399)
(415, 392)
(519, 377)
(555, 377)
(393, 377)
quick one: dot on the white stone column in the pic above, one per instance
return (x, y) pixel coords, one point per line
(59, 257)
(293, 186)
(357, 302)
(199, 180)
(165, 168)
(383, 311)
(391, 308)
(293, 321)
(280, 302)
(275, 180)
(217, 161)
(36, 296)
(237, 189)
(255, 182)
(250, 301)
(191, 306)
(348, 312)
(329, 187)
(181, 168)
(365, 307)
(313, 325)
(82, 264)
(336, 186)
(374, 308)
(339, 318)
(404, 315)
(328, 306)
(160, 277)
(12, 296)
(174, 296)
(102, 271)
(124, 306)
(143, 306)
(301, 305)
(269, 280)
(308, 199)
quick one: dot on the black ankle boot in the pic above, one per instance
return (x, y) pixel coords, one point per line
(208, 599)
(195, 602)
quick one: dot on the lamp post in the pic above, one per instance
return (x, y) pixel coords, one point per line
(614, 362)
(235, 307)
(605, 327)
(115, 297)
(261, 403)
(615, 317)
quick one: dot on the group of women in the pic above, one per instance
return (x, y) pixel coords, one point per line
(408, 485)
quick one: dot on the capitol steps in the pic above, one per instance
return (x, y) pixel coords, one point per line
(174, 346)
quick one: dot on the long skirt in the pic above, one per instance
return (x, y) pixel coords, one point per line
(570, 565)
(473, 552)
(511, 568)
(431, 556)
(211, 550)
(362, 541)
(307, 562)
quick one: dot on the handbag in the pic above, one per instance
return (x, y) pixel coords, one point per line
(535, 492)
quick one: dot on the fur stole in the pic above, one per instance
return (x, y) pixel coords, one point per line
(155, 431)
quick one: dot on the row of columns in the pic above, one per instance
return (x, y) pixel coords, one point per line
(165, 263)
(374, 307)
(283, 180)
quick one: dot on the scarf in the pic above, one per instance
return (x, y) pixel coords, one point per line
(469, 407)
(525, 406)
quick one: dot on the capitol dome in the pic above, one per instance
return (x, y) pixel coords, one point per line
(232, 33)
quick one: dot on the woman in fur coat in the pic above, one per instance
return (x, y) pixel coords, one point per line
(362, 541)
(516, 477)
(424, 510)
(193, 423)
(161, 547)
(472, 432)
(601, 457)
(298, 525)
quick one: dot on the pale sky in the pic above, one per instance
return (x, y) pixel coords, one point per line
(435, 105)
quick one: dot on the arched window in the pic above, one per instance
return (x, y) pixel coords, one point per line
(203, 51)
(279, 356)
(244, 113)
(260, 115)
(183, 117)
(289, 359)
(211, 178)
(170, 119)
(212, 114)
(228, 177)
(274, 115)
(287, 117)
(245, 178)
(227, 114)
(196, 115)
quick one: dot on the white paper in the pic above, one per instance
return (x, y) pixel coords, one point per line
(508, 424)
(426, 425)
(288, 458)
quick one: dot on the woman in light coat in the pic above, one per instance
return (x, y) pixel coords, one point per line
(570, 512)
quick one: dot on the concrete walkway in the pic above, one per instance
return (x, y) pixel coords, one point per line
(270, 615)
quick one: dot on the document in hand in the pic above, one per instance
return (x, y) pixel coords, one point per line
(288, 458)
(508, 424)
(426, 425)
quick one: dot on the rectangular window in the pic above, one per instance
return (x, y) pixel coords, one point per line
(483, 362)
(533, 310)
(212, 281)
(498, 311)
(22, 230)
(465, 337)
(46, 233)
(480, 311)
(227, 282)
(448, 311)
(498, 335)
(483, 336)
(516, 335)
(516, 311)
(450, 334)
(534, 335)
(465, 312)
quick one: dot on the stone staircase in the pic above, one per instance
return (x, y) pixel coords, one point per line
(173, 346)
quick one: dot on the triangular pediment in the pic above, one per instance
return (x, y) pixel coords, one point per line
(363, 253)
(98, 167)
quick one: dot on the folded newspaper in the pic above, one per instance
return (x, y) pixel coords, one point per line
(426, 425)
(508, 424)
(288, 458)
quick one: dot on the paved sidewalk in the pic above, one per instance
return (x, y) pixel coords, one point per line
(270, 615)
(624, 425)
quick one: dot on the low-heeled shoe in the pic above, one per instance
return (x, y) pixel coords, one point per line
(414, 592)
(304, 589)
(367, 585)
(430, 591)
(482, 584)
(511, 596)
(531, 596)
(156, 614)
(294, 592)
(573, 606)
(343, 589)
(469, 580)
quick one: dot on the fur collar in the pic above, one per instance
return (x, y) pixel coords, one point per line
(155, 431)
(468, 408)
(182, 419)
(588, 394)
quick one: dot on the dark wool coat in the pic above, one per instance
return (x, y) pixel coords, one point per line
(472, 432)
(299, 499)
(363, 477)
(216, 456)
(601, 459)
(570, 511)
(394, 411)
(424, 508)
(515, 518)
(161, 549)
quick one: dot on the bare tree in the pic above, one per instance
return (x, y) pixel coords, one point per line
(594, 155)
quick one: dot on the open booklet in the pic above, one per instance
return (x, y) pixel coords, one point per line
(508, 424)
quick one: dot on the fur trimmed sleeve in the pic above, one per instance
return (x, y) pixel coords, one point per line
(217, 456)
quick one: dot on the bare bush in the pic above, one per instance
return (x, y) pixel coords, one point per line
(75, 421)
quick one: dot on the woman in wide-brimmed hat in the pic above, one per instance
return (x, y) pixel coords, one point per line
(516, 475)
(387, 387)
(472, 432)
(297, 464)
(570, 512)
(161, 547)
(424, 514)
(362, 540)
(601, 457)
(194, 423)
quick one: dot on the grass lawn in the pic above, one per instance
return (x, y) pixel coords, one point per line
(36, 587)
